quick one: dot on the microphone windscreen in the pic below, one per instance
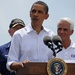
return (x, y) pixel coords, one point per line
(56, 39)
(47, 39)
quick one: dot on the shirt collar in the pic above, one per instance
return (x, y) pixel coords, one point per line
(72, 44)
(29, 28)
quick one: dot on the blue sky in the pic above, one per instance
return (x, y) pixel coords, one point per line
(10, 9)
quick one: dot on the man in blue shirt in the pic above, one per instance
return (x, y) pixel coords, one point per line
(15, 25)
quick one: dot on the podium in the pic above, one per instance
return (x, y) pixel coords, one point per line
(40, 68)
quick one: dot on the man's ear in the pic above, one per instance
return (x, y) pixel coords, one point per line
(9, 31)
(72, 32)
(47, 15)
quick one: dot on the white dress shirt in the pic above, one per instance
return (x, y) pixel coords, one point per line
(26, 44)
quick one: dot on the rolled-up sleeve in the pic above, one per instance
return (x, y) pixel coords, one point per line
(13, 54)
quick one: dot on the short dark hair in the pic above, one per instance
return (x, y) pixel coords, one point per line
(42, 3)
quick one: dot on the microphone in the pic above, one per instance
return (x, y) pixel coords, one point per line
(58, 42)
(48, 41)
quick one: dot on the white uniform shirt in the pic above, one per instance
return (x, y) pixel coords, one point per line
(67, 54)
(28, 45)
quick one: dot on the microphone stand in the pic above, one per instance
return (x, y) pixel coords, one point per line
(51, 47)
(54, 49)
(54, 53)
(59, 48)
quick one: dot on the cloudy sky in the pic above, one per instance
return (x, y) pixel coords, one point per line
(10, 9)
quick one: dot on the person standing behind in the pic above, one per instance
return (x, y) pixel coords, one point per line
(27, 44)
(65, 29)
(15, 25)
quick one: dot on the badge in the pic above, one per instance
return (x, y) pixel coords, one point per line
(56, 66)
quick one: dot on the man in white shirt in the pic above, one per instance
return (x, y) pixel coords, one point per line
(65, 29)
(27, 44)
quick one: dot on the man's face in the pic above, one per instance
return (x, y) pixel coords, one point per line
(13, 29)
(38, 14)
(64, 30)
